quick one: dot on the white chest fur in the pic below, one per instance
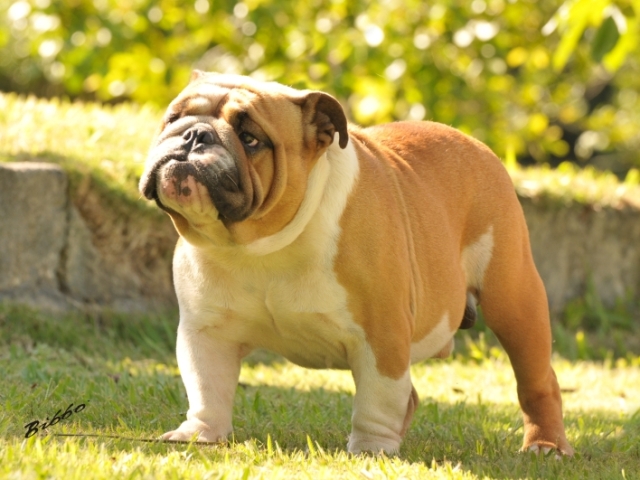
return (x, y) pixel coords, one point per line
(280, 292)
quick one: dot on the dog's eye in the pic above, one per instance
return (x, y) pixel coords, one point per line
(172, 117)
(249, 140)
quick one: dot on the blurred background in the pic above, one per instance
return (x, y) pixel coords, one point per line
(552, 87)
(538, 80)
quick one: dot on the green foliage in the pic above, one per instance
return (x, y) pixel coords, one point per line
(141, 335)
(567, 184)
(606, 38)
(526, 77)
(615, 24)
(585, 330)
(590, 313)
(588, 329)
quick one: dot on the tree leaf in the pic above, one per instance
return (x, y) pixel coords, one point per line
(605, 39)
(627, 44)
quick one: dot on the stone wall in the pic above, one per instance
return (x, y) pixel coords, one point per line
(577, 244)
(83, 252)
(58, 252)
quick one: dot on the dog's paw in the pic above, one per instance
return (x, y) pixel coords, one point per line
(194, 431)
(546, 450)
(373, 445)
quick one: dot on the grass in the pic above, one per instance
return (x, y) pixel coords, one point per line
(109, 145)
(289, 422)
(105, 144)
(569, 184)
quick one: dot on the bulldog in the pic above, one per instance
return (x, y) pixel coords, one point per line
(340, 247)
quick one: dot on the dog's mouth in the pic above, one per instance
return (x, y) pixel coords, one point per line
(171, 179)
(148, 181)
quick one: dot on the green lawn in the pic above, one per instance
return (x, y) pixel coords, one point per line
(289, 422)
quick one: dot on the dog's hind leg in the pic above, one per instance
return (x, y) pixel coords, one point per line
(514, 304)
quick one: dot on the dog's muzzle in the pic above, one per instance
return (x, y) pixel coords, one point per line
(199, 153)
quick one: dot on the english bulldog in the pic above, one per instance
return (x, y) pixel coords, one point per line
(340, 247)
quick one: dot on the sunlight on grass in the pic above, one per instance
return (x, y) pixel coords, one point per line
(569, 183)
(110, 143)
(290, 422)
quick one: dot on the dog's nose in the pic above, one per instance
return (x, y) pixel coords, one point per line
(195, 137)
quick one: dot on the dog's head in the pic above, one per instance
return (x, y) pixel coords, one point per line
(233, 155)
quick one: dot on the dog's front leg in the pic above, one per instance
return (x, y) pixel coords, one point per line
(382, 407)
(210, 368)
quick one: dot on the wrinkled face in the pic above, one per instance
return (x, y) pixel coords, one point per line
(232, 159)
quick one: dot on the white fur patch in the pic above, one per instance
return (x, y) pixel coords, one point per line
(476, 258)
(330, 183)
(200, 104)
(434, 341)
(205, 93)
(379, 407)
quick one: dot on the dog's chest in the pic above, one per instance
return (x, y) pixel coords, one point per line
(301, 314)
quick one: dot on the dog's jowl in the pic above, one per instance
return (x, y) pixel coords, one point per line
(340, 247)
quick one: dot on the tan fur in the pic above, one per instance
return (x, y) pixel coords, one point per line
(366, 253)
(439, 198)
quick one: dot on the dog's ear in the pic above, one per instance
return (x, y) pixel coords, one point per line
(196, 74)
(326, 113)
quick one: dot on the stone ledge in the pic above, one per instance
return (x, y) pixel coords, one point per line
(577, 244)
(60, 252)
